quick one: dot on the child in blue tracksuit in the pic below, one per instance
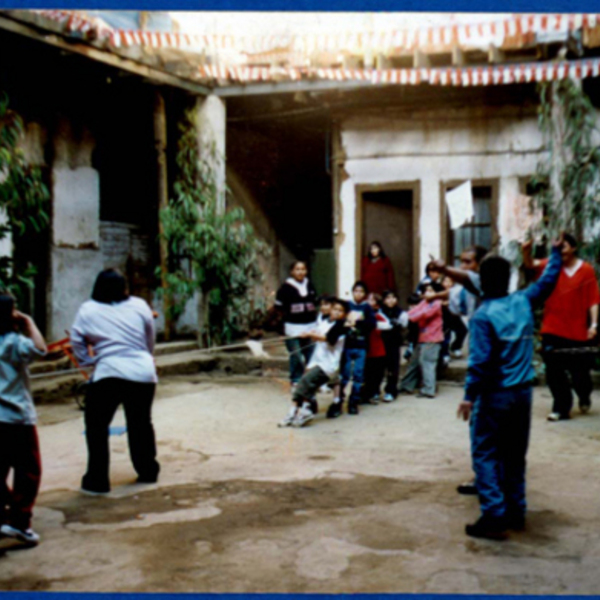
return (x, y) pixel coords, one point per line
(361, 320)
(498, 391)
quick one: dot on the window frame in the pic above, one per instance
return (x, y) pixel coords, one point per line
(446, 238)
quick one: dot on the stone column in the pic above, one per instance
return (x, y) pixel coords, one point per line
(75, 257)
(212, 126)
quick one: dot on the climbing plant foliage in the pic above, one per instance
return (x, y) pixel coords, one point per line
(212, 252)
(24, 199)
(566, 184)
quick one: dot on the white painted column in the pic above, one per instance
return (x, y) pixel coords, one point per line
(347, 259)
(212, 126)
(76, 259)
(430, 230)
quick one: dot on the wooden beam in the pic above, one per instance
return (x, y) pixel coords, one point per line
(160, 144)
(458, 57)
(421, 60)
(288, 87)
(382, 62)
(495, 55)
(351, 62)
(103, 56)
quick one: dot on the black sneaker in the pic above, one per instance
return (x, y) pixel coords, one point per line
(334, 410)
(489, 528)
(467, 489)
(352, 408)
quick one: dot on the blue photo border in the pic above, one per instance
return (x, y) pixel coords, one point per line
(503, 6)
(549, 6)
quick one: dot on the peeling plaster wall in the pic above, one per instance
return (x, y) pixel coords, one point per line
(76, 258)
(432, 147)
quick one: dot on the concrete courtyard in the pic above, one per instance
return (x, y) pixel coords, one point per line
(358, 504)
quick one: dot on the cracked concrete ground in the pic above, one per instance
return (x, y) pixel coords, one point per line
(358, 504)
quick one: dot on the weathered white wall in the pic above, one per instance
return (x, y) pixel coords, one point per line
(76, 258)
(432, 147)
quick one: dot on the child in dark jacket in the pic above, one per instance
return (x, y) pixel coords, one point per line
(392, 339)
(361, 321)
(376, 357)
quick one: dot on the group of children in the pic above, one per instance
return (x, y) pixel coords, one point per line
(359, 342)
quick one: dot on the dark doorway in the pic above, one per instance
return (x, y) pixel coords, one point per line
(388, 218)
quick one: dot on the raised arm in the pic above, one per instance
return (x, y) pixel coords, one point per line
(457, 275)
(528, 261)
(538, 292)
(31, 331)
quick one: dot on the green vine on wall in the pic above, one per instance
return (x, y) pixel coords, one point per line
(24, 199)
(567, 180)
(213, 253)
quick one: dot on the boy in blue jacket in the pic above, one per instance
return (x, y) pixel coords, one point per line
(361, 321)
(498, 392)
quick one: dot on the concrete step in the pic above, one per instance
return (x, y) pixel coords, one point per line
(47, 387)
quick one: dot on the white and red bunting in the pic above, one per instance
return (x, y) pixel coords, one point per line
(452, 76)
(479, 35)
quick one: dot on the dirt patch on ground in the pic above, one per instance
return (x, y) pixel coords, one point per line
(270, 503)
(302, 536)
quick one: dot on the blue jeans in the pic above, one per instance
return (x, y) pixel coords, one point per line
(500, 425)
(300, 350)
(353, 368)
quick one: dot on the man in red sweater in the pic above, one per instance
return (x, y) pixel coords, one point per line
(570, 322)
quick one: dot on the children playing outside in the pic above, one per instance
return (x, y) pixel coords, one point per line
(323, 366)
(392, 339)
(376, 358)
(361, 321)
(19, 447)
(498, 392)
(423, 365)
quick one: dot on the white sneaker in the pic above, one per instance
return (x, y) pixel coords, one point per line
(289, 418)
(29, 536)
(303, 416)
(554, 417)
(456, 354)
(446, 360)
(388, 398)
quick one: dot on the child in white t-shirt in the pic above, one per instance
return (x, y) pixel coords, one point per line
(323, 366)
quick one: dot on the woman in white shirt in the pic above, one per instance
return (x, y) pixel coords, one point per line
(120, 330)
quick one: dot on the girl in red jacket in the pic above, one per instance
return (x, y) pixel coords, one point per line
(377, 271)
